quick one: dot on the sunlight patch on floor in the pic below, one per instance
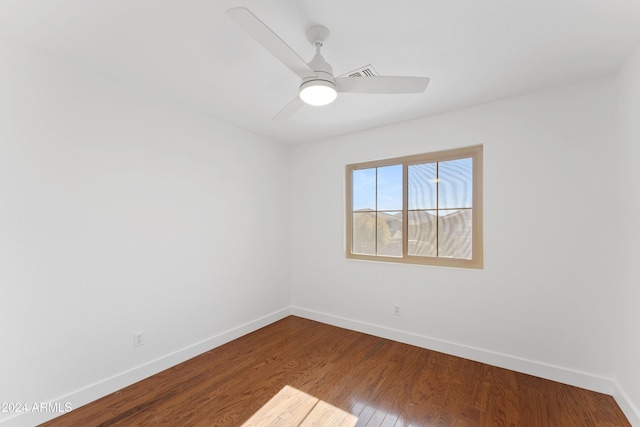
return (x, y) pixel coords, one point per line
(292, 407)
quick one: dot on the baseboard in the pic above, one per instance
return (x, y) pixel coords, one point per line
(542, 370)
(107, 386)
(631, 411)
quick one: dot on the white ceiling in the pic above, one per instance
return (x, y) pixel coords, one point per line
(191, 52)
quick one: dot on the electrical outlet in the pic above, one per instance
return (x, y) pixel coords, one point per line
(138, 339)
(396, 310)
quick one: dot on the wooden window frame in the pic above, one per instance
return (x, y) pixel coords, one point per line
(473, 152)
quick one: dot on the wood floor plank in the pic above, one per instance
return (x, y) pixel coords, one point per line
(382, 382)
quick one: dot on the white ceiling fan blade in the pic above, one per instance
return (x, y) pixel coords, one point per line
(294, 105)
(382, 84)
(270, 41)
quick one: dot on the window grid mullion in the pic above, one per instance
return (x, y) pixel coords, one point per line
(405, 210)
(375, 223)
(437, 210)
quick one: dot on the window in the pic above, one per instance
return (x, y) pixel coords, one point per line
(421, 209)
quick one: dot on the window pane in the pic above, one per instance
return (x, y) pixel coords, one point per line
(422, 233)
(364, 189)
(454, 234)
(364, 233)
(455, 178)
(390, 233)
(422, 186)
(390, 188)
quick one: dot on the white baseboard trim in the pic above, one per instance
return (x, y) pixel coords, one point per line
(109, 385)
(631, 411)
(538, 369)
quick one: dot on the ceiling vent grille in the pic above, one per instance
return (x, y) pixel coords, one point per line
(366, 71)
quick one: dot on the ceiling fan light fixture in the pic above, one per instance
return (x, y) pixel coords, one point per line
(318, 92)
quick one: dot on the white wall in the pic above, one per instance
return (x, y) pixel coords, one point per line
(627, 322)
(543, 302)
(119, 213)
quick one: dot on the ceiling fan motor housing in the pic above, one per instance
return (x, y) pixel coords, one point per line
(322, 68)
(321, 88)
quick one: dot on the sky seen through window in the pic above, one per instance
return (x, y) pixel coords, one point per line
(441, 185)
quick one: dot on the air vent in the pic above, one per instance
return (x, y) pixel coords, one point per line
(366, 71)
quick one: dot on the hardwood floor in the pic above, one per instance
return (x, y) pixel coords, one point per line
(382, 382)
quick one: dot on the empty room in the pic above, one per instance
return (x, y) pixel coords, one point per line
(294, 212)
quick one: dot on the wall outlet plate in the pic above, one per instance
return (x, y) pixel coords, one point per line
(138, 339)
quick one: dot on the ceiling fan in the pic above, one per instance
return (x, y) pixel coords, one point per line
(318, 86)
